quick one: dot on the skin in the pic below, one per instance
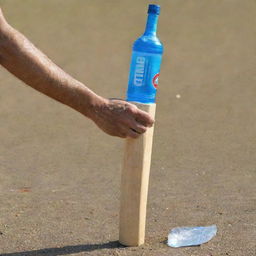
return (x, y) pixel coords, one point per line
(20, 57)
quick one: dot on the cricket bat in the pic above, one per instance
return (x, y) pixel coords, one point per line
(134, 184)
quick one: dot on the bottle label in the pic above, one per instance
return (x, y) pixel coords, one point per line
(155, 80)
(144, 73)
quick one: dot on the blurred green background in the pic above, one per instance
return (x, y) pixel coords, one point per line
(203, 163)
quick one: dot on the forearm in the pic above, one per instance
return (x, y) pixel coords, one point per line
(25, 61)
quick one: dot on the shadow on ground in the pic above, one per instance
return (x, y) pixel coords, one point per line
(66, 249)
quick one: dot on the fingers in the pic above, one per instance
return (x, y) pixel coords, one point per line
(122, 119)
(144, 118)
(133, 130)
(137, 127)
(126, 133)
(138, 122)
(140, 116)
(132, 134)
(131, 123)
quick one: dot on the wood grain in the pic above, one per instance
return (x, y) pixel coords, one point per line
(134, 185)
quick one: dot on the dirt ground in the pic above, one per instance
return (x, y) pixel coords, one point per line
(60, 175)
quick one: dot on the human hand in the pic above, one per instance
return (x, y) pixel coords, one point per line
(29, 64)
(120, 118)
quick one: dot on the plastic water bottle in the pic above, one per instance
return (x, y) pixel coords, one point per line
(146, 61)
(190, 236)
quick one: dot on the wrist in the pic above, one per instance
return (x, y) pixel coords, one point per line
(89, 103)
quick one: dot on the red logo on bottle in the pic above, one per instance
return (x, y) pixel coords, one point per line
(155, 80)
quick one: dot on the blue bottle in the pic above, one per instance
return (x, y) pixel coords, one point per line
(145, 63)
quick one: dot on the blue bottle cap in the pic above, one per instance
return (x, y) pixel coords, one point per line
(154, 9)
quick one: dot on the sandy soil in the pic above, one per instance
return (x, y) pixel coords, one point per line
(60, 175)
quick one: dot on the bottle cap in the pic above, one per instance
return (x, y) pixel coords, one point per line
(154, 9)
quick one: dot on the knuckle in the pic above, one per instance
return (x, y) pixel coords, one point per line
(143, 130)
(149, 121)
(131, 108)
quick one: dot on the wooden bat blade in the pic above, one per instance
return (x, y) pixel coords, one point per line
(134, 185)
